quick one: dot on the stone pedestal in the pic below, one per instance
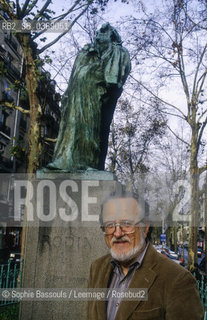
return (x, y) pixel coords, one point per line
(58, 253)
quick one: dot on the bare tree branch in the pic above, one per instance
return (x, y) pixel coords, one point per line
(42, 10)
(13, 106)
(191, 20)
(18, 8)
(166, 112)
(161, 100)
(199, 119)
(57, 19)
(24, 8)
(52, 42)
(50, 139)
(183, 76)
(177, 136)
(32, 5)
(201, 134)
(195, 83)
(202, 169)
(64, 15)
(58, 70)
(202, 79)
(62, 34)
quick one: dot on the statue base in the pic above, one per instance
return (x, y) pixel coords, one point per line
(58, 252)
(90, 174)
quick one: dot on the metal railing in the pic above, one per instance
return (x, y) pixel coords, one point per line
(10, 277)
(202, 287)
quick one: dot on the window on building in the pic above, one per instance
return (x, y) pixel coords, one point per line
(3, 118)
(2, 147)
(45, 131)
(7, 89)
(4, 185)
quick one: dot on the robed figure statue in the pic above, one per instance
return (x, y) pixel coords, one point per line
(88, 104)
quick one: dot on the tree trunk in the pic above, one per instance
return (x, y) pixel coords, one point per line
(35, 146)
(175, 238)
(205, 220)
(31, 78)
(194, 209)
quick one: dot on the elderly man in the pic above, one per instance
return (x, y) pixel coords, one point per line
(134, 263)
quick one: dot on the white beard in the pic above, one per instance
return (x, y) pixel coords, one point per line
(123, 257)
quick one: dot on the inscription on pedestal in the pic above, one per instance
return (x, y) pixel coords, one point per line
(59, 255)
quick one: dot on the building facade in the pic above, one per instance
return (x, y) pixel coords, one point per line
(14, 127)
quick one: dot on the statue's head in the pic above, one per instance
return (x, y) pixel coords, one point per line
(106, 35)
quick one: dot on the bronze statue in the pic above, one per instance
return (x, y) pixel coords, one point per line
(88, 104)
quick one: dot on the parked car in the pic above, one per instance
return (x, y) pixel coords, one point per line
(157, 246)
(171, 257)
(170, 252)
(199, 252)
(165, 251)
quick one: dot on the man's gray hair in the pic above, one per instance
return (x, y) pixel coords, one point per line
(143, 204)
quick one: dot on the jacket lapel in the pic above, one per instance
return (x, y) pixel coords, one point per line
(142, 278)
(103, 283)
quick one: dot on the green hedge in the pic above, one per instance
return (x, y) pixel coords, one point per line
(9, 312)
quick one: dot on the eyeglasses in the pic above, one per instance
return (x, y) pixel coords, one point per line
(126, 226)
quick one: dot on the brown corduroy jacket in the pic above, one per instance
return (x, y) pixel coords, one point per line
(172, 291)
